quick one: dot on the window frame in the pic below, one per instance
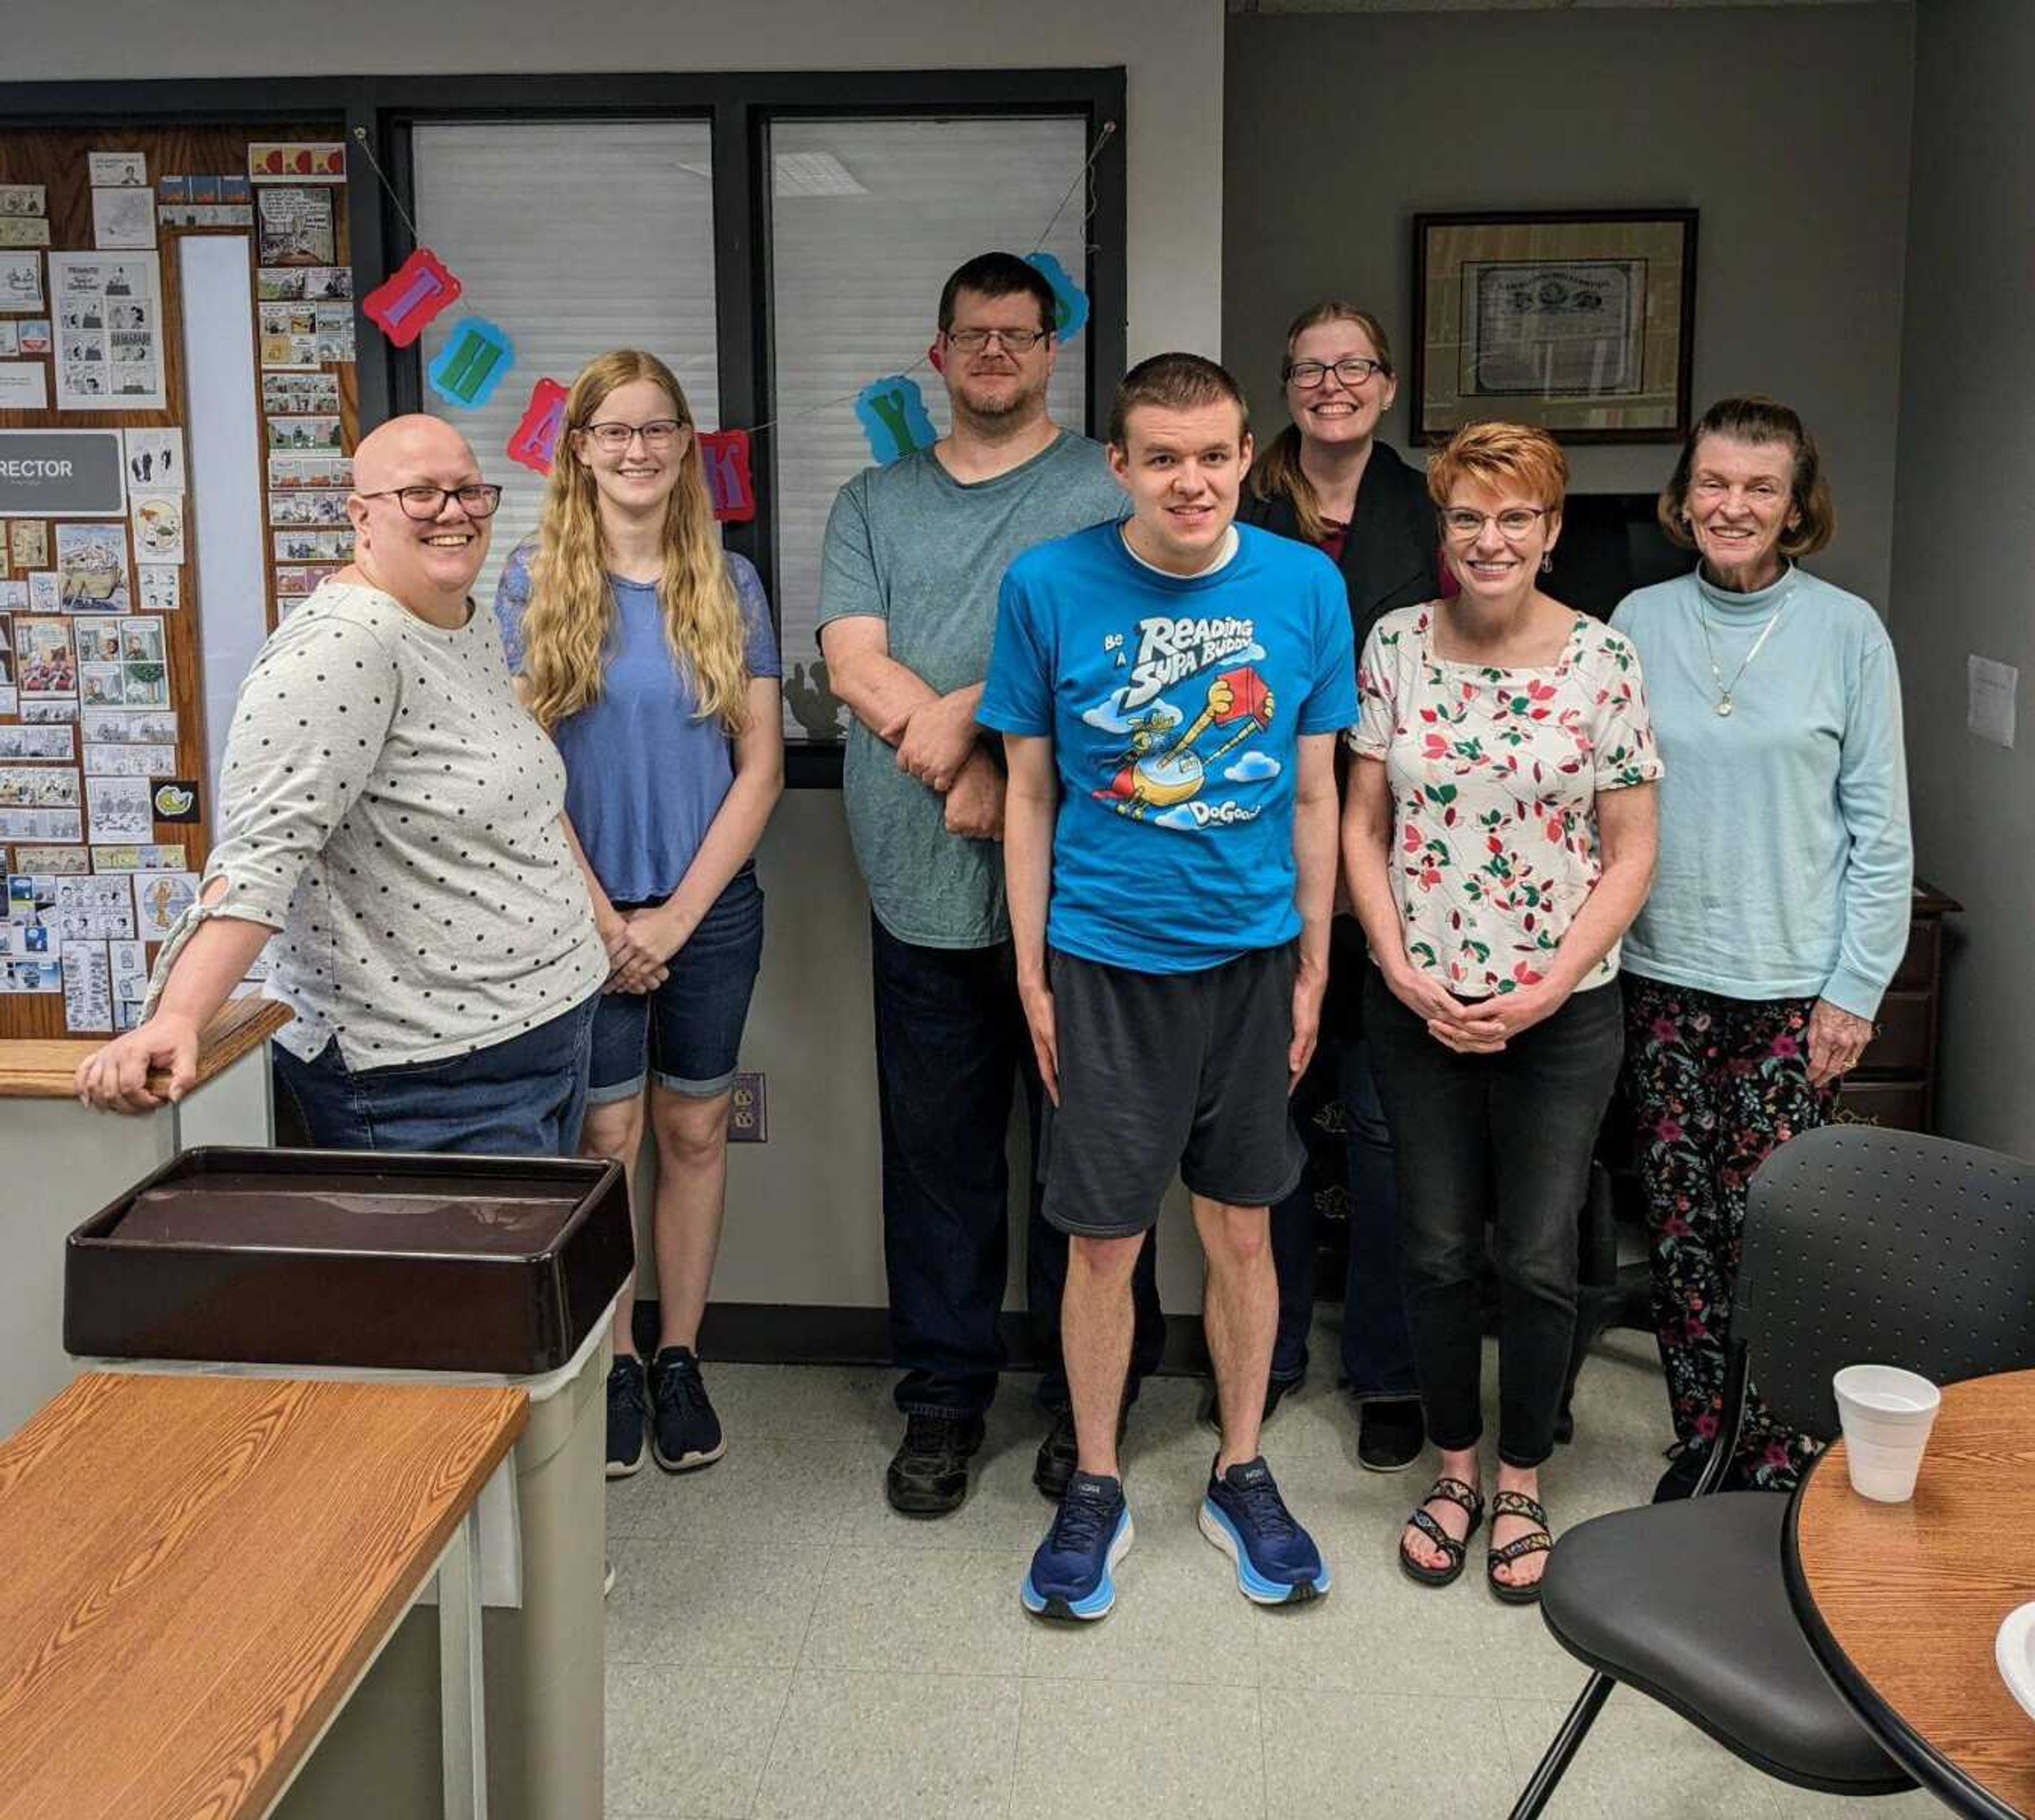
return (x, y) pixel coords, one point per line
(740, 107)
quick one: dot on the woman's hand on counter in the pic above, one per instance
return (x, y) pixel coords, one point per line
(115, 1079)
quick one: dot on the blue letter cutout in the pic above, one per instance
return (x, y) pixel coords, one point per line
(892, 415)
(1072, 316)
(473, 362)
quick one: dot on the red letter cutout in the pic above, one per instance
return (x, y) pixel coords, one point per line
(412, 295)
(535, 444)
(726, 454)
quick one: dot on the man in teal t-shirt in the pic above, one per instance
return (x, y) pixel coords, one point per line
(915, 553)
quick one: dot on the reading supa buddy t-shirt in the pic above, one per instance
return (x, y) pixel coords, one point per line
(1176, 705)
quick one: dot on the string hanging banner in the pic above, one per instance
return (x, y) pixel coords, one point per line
(891, 409)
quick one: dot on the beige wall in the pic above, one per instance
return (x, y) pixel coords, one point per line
(1788, 127)
(1960, 565)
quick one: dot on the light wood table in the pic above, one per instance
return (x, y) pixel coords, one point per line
(1901, 1602)
(197, 1571)
(42, 1068)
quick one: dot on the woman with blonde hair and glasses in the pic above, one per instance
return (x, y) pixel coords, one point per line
(1498, 832)
(1326, 479)
(647, 653)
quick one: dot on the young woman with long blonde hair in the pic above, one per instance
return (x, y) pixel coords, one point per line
(647, 653)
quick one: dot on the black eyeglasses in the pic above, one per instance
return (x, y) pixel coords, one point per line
(1013, 340)
(614, 437)
(1308, 374)
(423, 503)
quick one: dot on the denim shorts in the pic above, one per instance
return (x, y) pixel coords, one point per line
(521, 1098)
(687, 1036)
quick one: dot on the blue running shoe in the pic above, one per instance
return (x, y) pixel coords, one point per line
(1071, 1574)
(1277, 1560)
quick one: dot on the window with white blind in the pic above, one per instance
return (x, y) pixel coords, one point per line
(780, 239)
(868, 216)
(573, 237)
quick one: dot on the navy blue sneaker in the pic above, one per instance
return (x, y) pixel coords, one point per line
(1277, 1560)
(684, 1433)
(628, 1416)
(1071, 1574)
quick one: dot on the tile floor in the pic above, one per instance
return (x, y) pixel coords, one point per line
(780, 1645)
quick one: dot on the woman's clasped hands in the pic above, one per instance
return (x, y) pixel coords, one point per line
(1476, 1026)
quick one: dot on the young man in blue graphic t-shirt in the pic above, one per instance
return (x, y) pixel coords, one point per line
(1169, 689)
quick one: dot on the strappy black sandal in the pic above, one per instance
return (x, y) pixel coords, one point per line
(1453, 1492)
(1536, 1541)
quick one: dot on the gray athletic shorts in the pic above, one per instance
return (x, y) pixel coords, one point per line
(1160, 1071)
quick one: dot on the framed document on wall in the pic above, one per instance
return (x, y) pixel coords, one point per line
(1581, 322)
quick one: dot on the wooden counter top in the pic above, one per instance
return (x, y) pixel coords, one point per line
(32, 1069)
(196, 1569)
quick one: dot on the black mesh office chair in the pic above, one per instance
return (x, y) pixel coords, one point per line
(1860, 1245)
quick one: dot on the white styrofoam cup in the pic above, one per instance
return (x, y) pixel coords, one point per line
(1886, 1414)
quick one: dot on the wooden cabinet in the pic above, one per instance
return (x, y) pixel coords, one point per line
(1895, 1082)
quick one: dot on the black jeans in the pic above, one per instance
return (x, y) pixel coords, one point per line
(1506, 1137)
(1377, 1349)
(951, 1043)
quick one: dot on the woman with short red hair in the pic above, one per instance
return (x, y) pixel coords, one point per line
(1499, 836)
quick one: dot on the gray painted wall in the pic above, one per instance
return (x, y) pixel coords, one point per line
(1787, 127)
(1961, 563)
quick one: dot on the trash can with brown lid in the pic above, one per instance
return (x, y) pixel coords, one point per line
(452, 1269)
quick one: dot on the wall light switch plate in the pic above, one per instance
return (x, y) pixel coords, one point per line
(749, 1112)
(1989, 701)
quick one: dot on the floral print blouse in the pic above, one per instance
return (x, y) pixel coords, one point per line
(1494, 775)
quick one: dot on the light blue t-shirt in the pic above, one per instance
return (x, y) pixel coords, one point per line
(1786, 868)
(644, 775)
(1175, 705)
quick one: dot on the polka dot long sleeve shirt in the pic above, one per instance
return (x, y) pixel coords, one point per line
(392, 809)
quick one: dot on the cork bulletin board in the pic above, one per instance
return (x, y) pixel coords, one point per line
(105, 812)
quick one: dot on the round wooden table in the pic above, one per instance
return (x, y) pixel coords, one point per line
(1901, 1602)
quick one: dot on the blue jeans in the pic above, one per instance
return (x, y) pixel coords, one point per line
(520, 1098)
(1377, 1349)
(687, 1036)
(951, 1043)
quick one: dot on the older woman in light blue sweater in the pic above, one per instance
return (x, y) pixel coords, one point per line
(1780, 910)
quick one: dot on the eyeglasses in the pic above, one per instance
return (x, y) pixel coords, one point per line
(1514, 523)
(1012, 340)
(422, 503)
(612, 438)
(1308, 374)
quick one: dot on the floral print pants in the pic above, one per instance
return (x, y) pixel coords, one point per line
(1713, 1084)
